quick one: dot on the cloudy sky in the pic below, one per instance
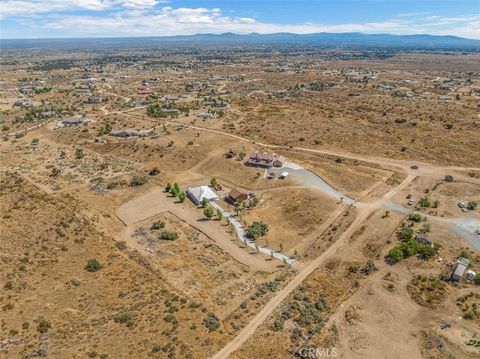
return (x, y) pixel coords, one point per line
(100, 18)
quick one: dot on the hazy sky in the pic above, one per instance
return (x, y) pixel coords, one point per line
(98, 18)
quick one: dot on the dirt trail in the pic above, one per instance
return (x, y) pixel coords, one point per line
(268, 309)
(156, 201)
(424, 169)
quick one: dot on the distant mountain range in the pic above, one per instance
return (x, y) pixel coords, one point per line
(353, 39)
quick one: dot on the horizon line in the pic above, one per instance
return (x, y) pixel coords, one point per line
(236, 33)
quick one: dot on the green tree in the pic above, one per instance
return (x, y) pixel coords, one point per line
(256, 229)
(138, 181)
(415, 217)
(219, 214)
(396, 253)
(425, 202)
(177, 187)
(204, 202)
(173, 191)
(407, 233)
(182, 196)
(213, 181)
(168, 187)
(208, 212)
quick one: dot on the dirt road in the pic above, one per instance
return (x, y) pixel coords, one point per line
(268, 309)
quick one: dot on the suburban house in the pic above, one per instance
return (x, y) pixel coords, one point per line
(129, 132)
(144, 90)
(95, 99)
(23, 102)
(421, 238)
(73, 121)
(204, 115)
(460, 269)
(197, 194)
(236, 196)
(265, 160)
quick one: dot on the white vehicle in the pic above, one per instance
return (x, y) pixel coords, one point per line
(283, 175)
(461, 205)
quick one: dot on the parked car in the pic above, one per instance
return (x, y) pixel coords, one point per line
(462, 205)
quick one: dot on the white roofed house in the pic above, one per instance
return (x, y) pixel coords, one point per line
(197, 194)
(204, 115)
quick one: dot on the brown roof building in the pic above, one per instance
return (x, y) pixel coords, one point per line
(236, 196)
(265, 160)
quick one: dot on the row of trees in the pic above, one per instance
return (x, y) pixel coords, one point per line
(175, 191)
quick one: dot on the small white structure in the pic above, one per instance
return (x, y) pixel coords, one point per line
(283, 175)
(197, 194)
(204, 115)
(470, 275)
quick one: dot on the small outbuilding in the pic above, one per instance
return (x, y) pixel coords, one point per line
(236, 196)
(204, 115)
(197, 194)
(470, 275)
(460, 269)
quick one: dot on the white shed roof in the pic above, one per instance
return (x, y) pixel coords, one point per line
(199, 193)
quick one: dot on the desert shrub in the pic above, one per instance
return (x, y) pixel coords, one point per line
(154, 171)
(477, 279)
(138, 181)
(400, 120)
(425, 202)
(426, 228)
(415, 217)
(256, 229)
(124, 318)
(472, 205)
(43, 326)
(79, 153)
(211, 322)
(168, 236)
(93, 266)
(469, 315)
(448, 178)
(121, 245)
(157, 225)
(407, 233)
(55, 172)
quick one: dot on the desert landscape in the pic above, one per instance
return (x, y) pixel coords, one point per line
(239, 202)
